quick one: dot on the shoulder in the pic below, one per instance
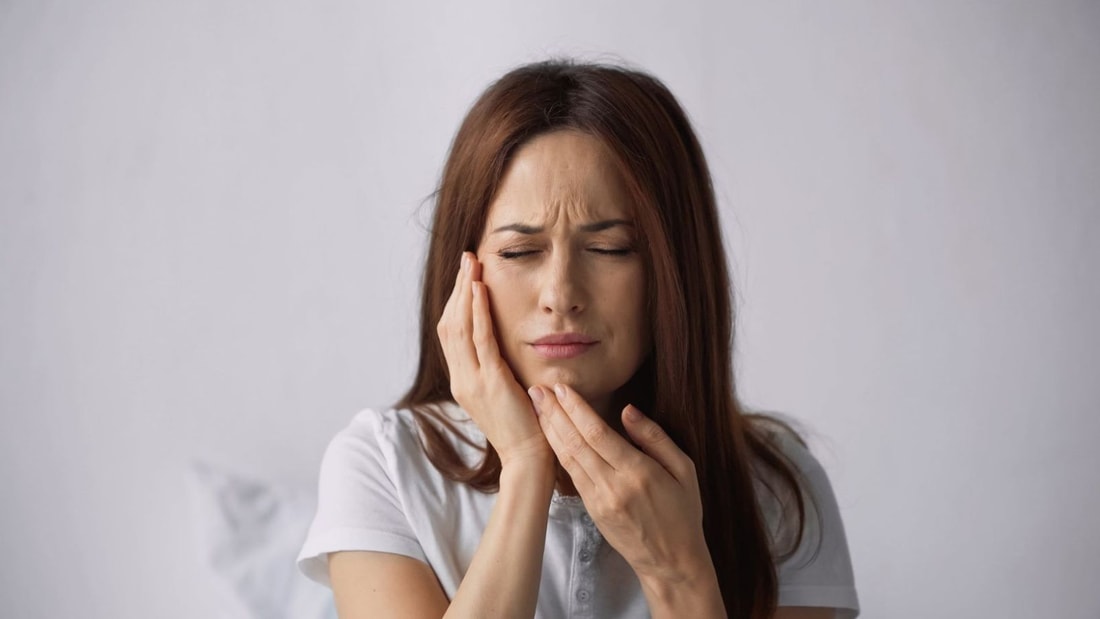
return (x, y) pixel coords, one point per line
(374, 424)
(373, 429)
(364, 440)
(818, 571)
(784, 433)
(391, 443)
(782, 436)
(378, 490)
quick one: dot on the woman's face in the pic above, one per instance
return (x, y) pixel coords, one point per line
(561, 262)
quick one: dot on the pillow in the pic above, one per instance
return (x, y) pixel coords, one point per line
(250, 533)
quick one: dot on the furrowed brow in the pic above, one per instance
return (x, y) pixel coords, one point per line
(521, 228)
(592, 227)
(604, 225)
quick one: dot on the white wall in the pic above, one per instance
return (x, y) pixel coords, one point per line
(211, 229)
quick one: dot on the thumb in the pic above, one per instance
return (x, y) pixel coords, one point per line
(656, 443)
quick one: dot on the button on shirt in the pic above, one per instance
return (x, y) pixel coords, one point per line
(379, 492)
(584, 566)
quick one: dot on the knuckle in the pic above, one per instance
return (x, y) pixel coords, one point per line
(617, 501)
(574, 443)
(653, 433)
(637, 484)
(496, 367)
(633, 481)
(569, 463)
(596, 433)
(481, 338)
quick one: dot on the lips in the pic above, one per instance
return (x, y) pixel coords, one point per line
(563, 345)
(564, 338)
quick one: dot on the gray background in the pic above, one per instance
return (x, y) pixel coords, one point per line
(211, 231)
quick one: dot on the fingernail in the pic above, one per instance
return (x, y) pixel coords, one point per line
(632, 413)
(536, 394)
(465, 261)
(560, 390)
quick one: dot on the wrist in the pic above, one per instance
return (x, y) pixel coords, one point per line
(535, 455)
(533, 468)
(694, 592)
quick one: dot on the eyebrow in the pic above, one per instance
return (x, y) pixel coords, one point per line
(592, 227)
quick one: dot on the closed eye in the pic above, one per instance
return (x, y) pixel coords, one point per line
(512, 255)
(515, 255)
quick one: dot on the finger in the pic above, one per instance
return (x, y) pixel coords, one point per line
(540, 396)
(657, 444)
(460, 322)
(453, 299)
(485, 343)
(475, 267)
(457, 348)
(575, 441)
(600, 437)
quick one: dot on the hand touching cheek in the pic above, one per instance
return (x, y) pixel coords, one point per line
(481, 381)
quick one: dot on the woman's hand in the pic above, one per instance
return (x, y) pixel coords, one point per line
(481, 381)
(646, 505)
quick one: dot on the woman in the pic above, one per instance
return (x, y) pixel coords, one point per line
(572, 445)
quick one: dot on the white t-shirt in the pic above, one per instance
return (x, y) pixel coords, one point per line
(378, 491)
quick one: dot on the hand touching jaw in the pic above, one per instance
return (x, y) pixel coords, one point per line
(644, 500)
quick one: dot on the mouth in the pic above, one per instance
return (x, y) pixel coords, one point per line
(563, 345)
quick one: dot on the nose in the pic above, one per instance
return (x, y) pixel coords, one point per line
(563, 291)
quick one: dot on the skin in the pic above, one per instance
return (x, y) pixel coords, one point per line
(549, 270)
(548, 273)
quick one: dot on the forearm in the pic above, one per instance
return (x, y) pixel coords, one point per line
(503, 578)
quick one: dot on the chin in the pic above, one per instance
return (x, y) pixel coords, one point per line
(589, 387)
(549, 376)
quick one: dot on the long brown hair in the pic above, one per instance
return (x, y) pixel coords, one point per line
(686, 384)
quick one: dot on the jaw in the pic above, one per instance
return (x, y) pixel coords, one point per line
(579, 378)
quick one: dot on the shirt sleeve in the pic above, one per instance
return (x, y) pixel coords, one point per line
(357, 502)
(819, 572)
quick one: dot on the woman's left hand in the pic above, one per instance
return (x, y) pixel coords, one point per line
(645, 502)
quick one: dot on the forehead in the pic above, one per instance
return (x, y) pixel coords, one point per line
(564, 174)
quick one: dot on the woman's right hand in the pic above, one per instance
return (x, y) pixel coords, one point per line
(482, 383)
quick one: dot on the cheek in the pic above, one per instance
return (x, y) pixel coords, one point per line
(625, 308)
(506, 298)
(629, 297)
